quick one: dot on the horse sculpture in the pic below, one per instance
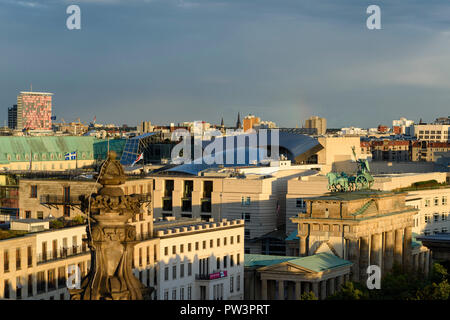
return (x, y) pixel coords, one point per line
(337, 182)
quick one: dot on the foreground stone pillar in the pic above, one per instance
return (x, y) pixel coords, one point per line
(315, 289)
(353, 256)
(407, 248)
(427, 263)
(375, 250)
(280, 290)
(389, 252)
(323, 289)
(421, 262)
(340, 282)
(111, 240)
(398, 246)
(264, 289)
(332, 286)
(298, 290)
(364, 258)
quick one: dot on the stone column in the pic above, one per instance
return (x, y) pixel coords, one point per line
(298, 290)
(315, 288)
(363, 258)
(427, 263)
(407, 248)
(303, 251)
(323, 289)
(416, 262)
(306, 287)
(421, 262)
(353, 256)
(389, 252)
(398, 246)
(375, 250)
(264, 289)
(332, 286)
(280, 290)
(340, 282)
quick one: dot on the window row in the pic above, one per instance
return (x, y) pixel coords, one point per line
(204, 245)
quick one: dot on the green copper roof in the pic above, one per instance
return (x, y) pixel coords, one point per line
(262, 260)
(45, 148)
(318, 262)
(414, 241)
(101, 148)
(293, 236)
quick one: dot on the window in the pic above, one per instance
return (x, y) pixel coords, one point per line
(33, 191)
(238, 239)
(189, 247)
(245, 216)
(443, 217)
(40, 215)
(427, 202)
(166, 273)
(181, 248)
(166, 251)
(436, 201)
(427, 232)
(196, 246)
(231, 261)
(190, 269)
(27, 214)
(300, 203)
(18, 259)
(6, 289)
(166, 295)
(182, 293)
(174, 272)
(218, 242)
(218, 263)
(238, 283)
(238, 259)
(174, 249)
(182, 270)
(6, 261)
(225, 261)
(435, 231)
(225, 241)
(231, 284)
(245, 201)
(61, 277)
(247, 233)
(211, 243)
(204, 244)
(30, 285)
(189, 293)
(174, 294)
(436, 217)
(444, 230)
(427, 218)
(231, 240)
(40, 282)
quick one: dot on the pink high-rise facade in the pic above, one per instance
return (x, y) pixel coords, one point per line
(34, 111)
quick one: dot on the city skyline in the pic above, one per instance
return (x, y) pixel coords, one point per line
(175, 61)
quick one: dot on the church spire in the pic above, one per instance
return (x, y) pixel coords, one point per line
(238, 122)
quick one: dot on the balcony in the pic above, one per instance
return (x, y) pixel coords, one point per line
(61, 254)
(51, 200)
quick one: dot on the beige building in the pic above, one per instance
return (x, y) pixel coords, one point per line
(318, 123)
(432, 132)
(37, 265)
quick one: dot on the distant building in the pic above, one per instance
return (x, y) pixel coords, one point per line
(145, 127)
(34, 111)
(427, 151)
(432, 132)
(389, 150)
(383, 129)
(403, 126)
(315, 122)
(250, 121)
(12, 117)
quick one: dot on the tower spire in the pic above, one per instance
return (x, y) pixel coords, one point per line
(238, 122)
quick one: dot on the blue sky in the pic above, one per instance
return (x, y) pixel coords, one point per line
(283, 60)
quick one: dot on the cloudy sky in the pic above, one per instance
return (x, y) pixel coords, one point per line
(185, 60)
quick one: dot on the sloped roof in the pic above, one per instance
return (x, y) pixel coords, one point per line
(317, 263)
(44, 145)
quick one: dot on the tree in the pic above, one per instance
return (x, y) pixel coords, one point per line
(350, 291)
(308, 296)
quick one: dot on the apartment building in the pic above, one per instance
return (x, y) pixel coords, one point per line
(432, 132)
(204, 261)
(200, 260)
(427, 151)
(390, 150)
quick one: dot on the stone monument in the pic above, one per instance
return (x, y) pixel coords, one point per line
(111, 239)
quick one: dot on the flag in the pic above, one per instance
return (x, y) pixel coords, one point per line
(70, 156)
(140, 157)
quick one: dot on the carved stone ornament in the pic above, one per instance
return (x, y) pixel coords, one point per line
(111, 240)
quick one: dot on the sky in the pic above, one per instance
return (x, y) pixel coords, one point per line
(184, 60)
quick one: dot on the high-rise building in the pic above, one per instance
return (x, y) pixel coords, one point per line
(250, 121)
(12, 117)
(315, 122)
(34, 111)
